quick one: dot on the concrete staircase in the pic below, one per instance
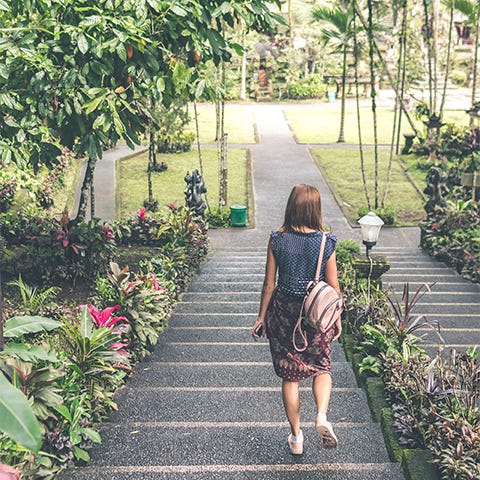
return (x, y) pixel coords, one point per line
(207, 403)
(454, 302)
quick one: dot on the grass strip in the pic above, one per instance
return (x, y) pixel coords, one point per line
(320, 123)
(341, 168)
(169, 185)
(239, 123)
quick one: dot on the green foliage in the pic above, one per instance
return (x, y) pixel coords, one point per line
(42, 247)
(82, 74)
(304, 88)
(17, 419)
(218, 218)
(34, 301)
(344, 251)
(18, 326)
(387, 213)
(453, 236)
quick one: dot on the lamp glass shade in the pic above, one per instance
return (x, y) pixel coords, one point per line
(371, 225)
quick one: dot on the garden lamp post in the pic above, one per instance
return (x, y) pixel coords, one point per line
(371, 225)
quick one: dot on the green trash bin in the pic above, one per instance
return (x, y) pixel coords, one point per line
(238, 216)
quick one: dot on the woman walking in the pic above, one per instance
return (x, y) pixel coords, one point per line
(293, 253)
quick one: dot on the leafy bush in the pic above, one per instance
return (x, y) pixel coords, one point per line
(304, 88)
(218, 218)
(175, 142)
(387, 213)
(56, 249)
(7, 193)
(453, 237)
(434, 402)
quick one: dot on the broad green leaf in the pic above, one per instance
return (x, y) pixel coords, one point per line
(81, 454)
(86, 323)
(4, 6)
(29, 354)
(178, 10)
(223, 9)
(93, 105)
(16, 417)
(82, 43)
(63, 411)
(16, 326)
(200, 89)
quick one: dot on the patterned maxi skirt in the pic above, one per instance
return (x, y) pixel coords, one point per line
(282, 315)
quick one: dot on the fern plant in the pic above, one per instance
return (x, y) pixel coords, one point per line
(34, 301)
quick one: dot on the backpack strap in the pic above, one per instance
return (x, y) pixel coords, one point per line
(320, 257)
(298, 325)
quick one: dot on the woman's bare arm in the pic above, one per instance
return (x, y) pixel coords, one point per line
(267, 289)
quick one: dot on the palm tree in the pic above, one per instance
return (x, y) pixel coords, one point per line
(471, 9)
(337, 32)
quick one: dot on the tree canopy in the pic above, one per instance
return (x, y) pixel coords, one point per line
(82, 73)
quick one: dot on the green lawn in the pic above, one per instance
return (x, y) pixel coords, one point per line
(168, 186)
(239, 123)
(320, 123)
(342, 171)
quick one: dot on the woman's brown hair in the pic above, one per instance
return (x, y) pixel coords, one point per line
(303, 210)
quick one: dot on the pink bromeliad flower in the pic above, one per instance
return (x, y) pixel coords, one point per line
(141, 213)
(103, 318)
(108, 232)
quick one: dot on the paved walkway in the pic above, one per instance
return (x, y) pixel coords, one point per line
(207, 404)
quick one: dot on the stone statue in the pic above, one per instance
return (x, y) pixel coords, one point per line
(193, 192)
(436, 189)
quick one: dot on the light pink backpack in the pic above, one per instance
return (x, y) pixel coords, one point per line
(321, 307)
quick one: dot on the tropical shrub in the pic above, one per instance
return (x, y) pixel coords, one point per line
(434, 402)
(56, 249)
(453, 236)
(308, 87)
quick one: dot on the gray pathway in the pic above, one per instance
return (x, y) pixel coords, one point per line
(207, 404)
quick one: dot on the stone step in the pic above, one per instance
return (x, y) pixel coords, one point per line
(288, 471)
(213, 320)
(214, 307)
(241, 336)
(460, 320)
(224, 374)
(219, 286)
(249, 448)
(238, 296)
(220, 352)
(439, 287)
(234, 404)
(451, 336)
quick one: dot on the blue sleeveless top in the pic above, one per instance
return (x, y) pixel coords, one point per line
(296, 254)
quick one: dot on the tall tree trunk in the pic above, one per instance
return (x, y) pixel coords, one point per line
(401, 53)
(428, 37)
(400, 94)
(290, 21)
(359, 123)
(221, 140)
(373, 93)
(475, 63)
(385, 68)
(243, 88)
(85, 190)
(152, 161)
(199, 148)
(92, 199)
(341, 134)
(447, 61)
